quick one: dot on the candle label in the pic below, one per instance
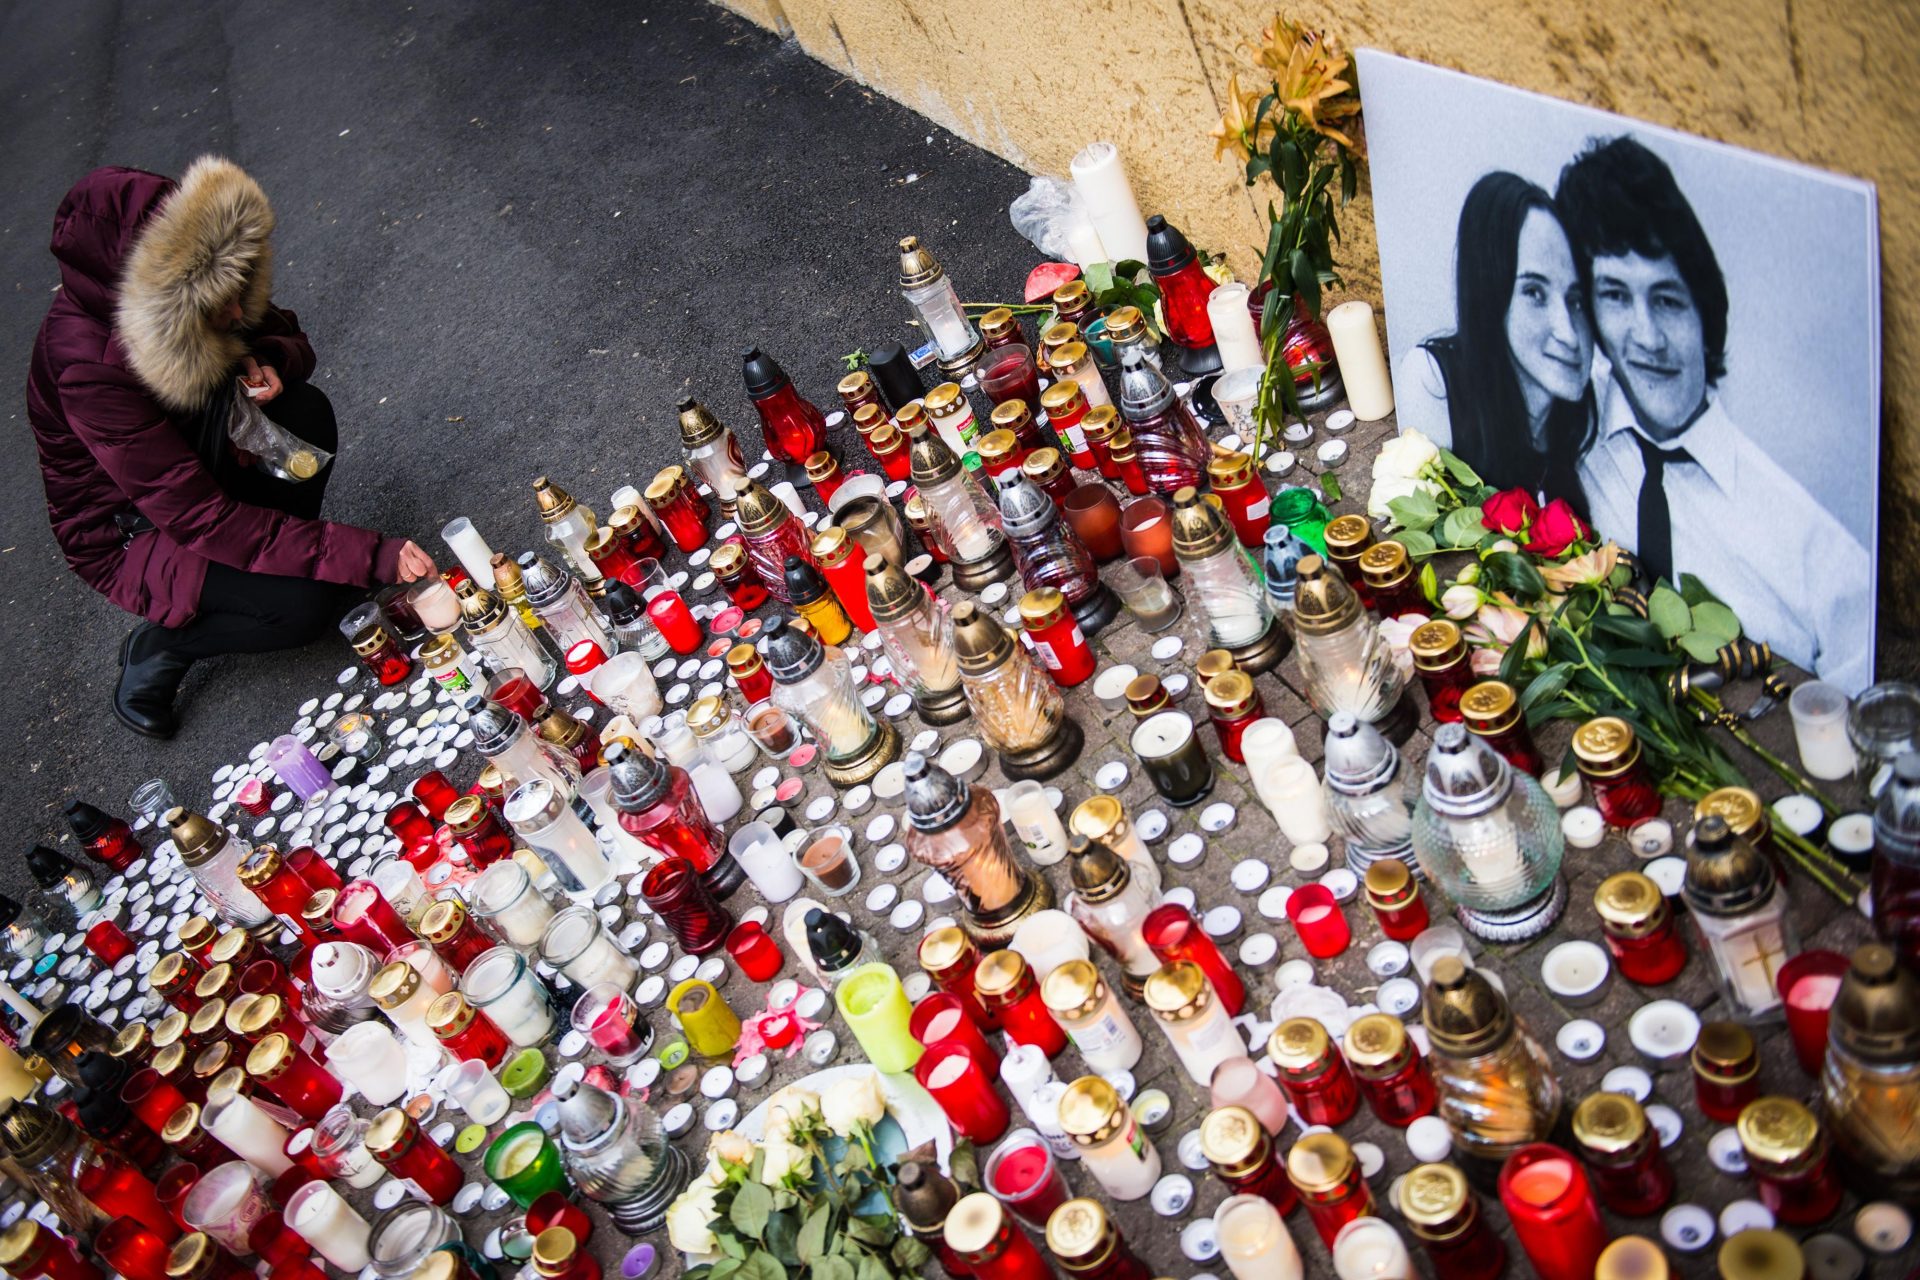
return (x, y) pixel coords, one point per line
(1098, 1036)
(1047, 655)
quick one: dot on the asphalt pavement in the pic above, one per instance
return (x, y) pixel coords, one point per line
(516, 234)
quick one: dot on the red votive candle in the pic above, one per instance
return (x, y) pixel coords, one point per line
(108, 942)
(314, 869)
(39, 1252)
(117, 1189)
(513, 689)
(754, 950)
(1808, 984)
(364, 915)
(135, 1251)
(293, 1076)
(1555, 1217)
(434, 793)
(1094, 514)
(1317, 918)
(583, 657)
(1174, 935)
(1146, 529)
(1006, 987)
(949, 1072)
(395, 1140)
(1023, 1175)
(669, 613)
(940, 1017)
(173, 1188)
(153, 1099)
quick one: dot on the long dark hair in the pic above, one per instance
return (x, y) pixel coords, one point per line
(1489, 414)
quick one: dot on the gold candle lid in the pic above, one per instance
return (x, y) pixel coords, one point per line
(1043, 465)
(1091, 1110)
(1777, 1130)
(1738, 807)
(391, 1133)
(1725, 1053)
(1072, 295)
(269, 1058)
(23, 1245)
(974, 1223)
(237, 1010)
(1041, 606)
(1605, 747)
(1230, 693)
(1433, 1195)
(1490, 707)
(1178, 991)
(1630, 904)
(1124, 324)
(1320, 1162)
(196, 933)
(230, 948)
(831, 545)
(1073, 989)
(1002, 977)
(215, 1060)
(1299, 1046)
(264, 1012)
(208, 1020)
(394, 984)
(1323, 603)
(135, 1040)
(553, 1250)
(1385, 564)
(169, 971)
(997, 323)
(945, 400)
(182, 1124)
(1753, 1254)
(1012, 417)
(193, 1255)
(1634, 1258)
(1080, 1234)
(945, 949)
(1233, 1141)
(1101, 818)
(1211, 665)
(1061, 398)
(1609, 1123)
(1377, 1044)
(1436, 644)
(170, 1030)
(449, 1015)
(442, 921)
(465, 814)
(1389, 883)
(216, 981)
(441, 1264)
(1348, 536)
(1464, 1014)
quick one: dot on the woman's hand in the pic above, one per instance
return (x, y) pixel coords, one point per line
(263, 380)
(415, 564)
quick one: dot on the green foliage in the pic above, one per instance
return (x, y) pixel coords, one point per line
(1132, 287)
(1330, 486)
(854, 360)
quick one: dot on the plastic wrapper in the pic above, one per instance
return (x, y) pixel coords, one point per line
(271, 447)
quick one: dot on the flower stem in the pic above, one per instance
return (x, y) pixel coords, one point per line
(1794, 778)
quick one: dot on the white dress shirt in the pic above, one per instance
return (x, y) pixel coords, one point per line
(1795, 576)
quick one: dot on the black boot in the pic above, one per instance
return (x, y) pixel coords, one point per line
(144, 698)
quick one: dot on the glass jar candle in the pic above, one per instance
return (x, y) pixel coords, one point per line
(376, 648)
(212, 855)
(985, 1239)
(293, 1076)
(339, 1146)
(1497, 1089)
(965, 522)
(949, 958)
(1174, 935)
(710, 1024)
(1492, 713)
(363, 915)
(466, 1032)
(671, 500)
(1347, 664)
(502, 638)
(1192, 1017)
(1314, 1076)
(889, 448)
(1242, 1082)
(1170, 751)
(562, 605)
(964, 1091)
(1442, 1214)
(1233, 704)
(1092, 1017)
(749, 672)
(1167, 435)
(275, 883)
(404, 996)
(1787, 1151)
(1622, 1154)
(1347, 539)
(1243, 1156)
(542, 814)
(1001, 451)
(454, 934)
(502, 985)
(1326, 1174)
(1609, 759)
(1113, 1148)
(1739, 908)
(916, 633)
(1236, 482)
(792, 427)
(172, 978)
(30, 1251)
(1065, 407)
(1387, 1065)
(1005, 985)
(1059, 551)
(1639, 929)
(875, 1006)
(814, 684)
(673, 889)
(1084, 1241)
(1726, 1070)
(395, 1139)
(1047, 468)
(579, 946)
(1394, 895)
(1440, 659)
(1020, 711)
(842, 563)
(1055, 634)
(508, 906)
(1389, 575)
(738, 578)
(1553, 1212)
(1221, 579)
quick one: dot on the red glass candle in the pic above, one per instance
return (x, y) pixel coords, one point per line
(311, 867)
(1184, 285)
(453, 934)
(1025, 1176)
(1326, 1174)
(1316, 916)
(107, 840)
(1048, 469)
(839, 560)
(889, 449)
(187, 1138)
(1245, 500)
(1313, 1075)
(381, 654)
(395, 1140)
(274, 882)
(669, 613)
(949, 957)
(466, 1032)
(1726, 1070)
(1787, 1151)
(755, 951)
(1387, 1065)
(434, 793)
(299, 1149)
(152, 1099)
(1389, 575)
(1006, 987)
(108, 941)
(674, 890)
(610, 555)
(983, 1235)
(1492, 712)
(1443, 1216)
(1174, 935)
(118, 1189)
(1133, 472)
(1009, 373)
(293, 1076)
(173, 977)
(1099, 426)
(1639, 929)
(1245, 1158)
(672, 503)
(364, 915)
(1055, 637)
(512, 689)
(1233, 704)
(794, 428)
(737, 575)
(823, 473)
(750, 674)
(1087, 1245)
(1622, 1154)
(965, 1092)
(1554, 1215)
(1001, 451)
(675, 823)
(1609, 757)
(174, 1187)
(478, 831)
(940, 1017)
(29, 1251)
(1440, 657)
(1808, 985)
(1394, 895)
(583, 657)
(135, 1251)
(553, 1209)
(197, 937)
(1066, 407)
(637, 534)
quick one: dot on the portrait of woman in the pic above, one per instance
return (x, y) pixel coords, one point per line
(1510, 388)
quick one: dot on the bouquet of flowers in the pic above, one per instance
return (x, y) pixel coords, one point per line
(813, 1195)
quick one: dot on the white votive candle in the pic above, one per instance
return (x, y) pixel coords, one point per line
(1819, 712)
(1292, 792)
(319, 1216)
(1102, 182)
(1254, 1242)
(1369, 1249)
(1363, 364)
(1233, 331)
(475, 556)
(248, 1132)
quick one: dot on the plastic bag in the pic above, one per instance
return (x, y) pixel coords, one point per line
(1049, 213)
(274, 449)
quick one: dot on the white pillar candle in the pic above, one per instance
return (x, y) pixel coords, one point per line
(475, 556)
(319, 1216)
(785, 491)
(368, 1057)
(1254, 1242)
(757, 848)
(1363, 364)
(248, 1132)
(1233, 328)
(1102, 182)
(1036, 822)
(1292, 794)
(1083, 244)
(1369, 1249)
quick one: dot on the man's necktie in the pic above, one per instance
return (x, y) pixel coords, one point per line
(1655, 547)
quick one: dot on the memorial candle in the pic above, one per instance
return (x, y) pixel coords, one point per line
(950, 1072)
(1554, 1215)
(1363, 364)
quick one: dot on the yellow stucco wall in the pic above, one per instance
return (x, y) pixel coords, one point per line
(1825, 82)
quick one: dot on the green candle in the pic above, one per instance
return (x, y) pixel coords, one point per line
(524, 1073)
(524, 1163)
(874, 1004)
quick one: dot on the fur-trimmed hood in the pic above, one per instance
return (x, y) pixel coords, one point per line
(207, 243)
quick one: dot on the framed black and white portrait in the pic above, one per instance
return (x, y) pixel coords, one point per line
(1679, 337)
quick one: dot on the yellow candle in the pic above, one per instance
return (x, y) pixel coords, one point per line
(1363, 365)
(874, 1004)
(711, 1026)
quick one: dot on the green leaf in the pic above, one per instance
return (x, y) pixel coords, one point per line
(751, 1205)
(1635, 631)
(1417, 510)
(871, 1228)
(1306, 282)
(732, 1246)
(1514, 659)
(1462, 527)
(1715, 621)
(871, 1268)
(1700, 646)
(812, 1240)
(1645, 658)
(963, 1165)
(1330, 486)
(831, 1267)
(1546, 686)
(1457, 468)
(1668, 611)
(1129, 269)
(1429, 582)
(729, 1267)
(1513, 573)
(909, 1254)
(783, 1232)
(1293, 168)
(1694, 591)
(1418, 543)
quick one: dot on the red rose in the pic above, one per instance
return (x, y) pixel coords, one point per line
(1557, 529)
(1509, 512)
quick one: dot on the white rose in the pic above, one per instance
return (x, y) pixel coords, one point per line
(689, 1215)
(789, 1108)
(853, 1102)
(1387, 488)
(782, 1158)
(1460, 602)
(732, 1147)
(1403, 456)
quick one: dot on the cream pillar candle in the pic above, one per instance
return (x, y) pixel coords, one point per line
(319, 1216)
(248, 1132)
(1293, 795)
(1083, 244)
(1369, 1249)
(1254, 1242)
(1363, 364)
(1233, 329)
(1102, 182)
(475, 556)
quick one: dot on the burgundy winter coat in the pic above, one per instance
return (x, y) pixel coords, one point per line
(144, 262)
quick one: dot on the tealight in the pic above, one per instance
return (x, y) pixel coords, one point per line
(1632, 1081)
(1883, 1227)
(1429, 1140)
(1727, 1152)
(1577, 971)
(1172, 1195)
(1387, 959)
(1663, 1029)
(1110, 686)
(1563, 791)
(1332, 453)
(1651, 839)
(1666, 1122)
(1257, 950)
(1581, 1039)
(1745, 1215)
(1583, 827)
(1687, 1227)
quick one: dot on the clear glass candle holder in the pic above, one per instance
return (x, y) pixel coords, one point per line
(472, 1087)
(579, 946)
(370, 1058)
(356, 734)
(612, 1023)
(502, 985)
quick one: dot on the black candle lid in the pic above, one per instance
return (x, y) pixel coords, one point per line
(834, 945)
(763, 373)
(894, 375)
(1167, 249)
(88, 822)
